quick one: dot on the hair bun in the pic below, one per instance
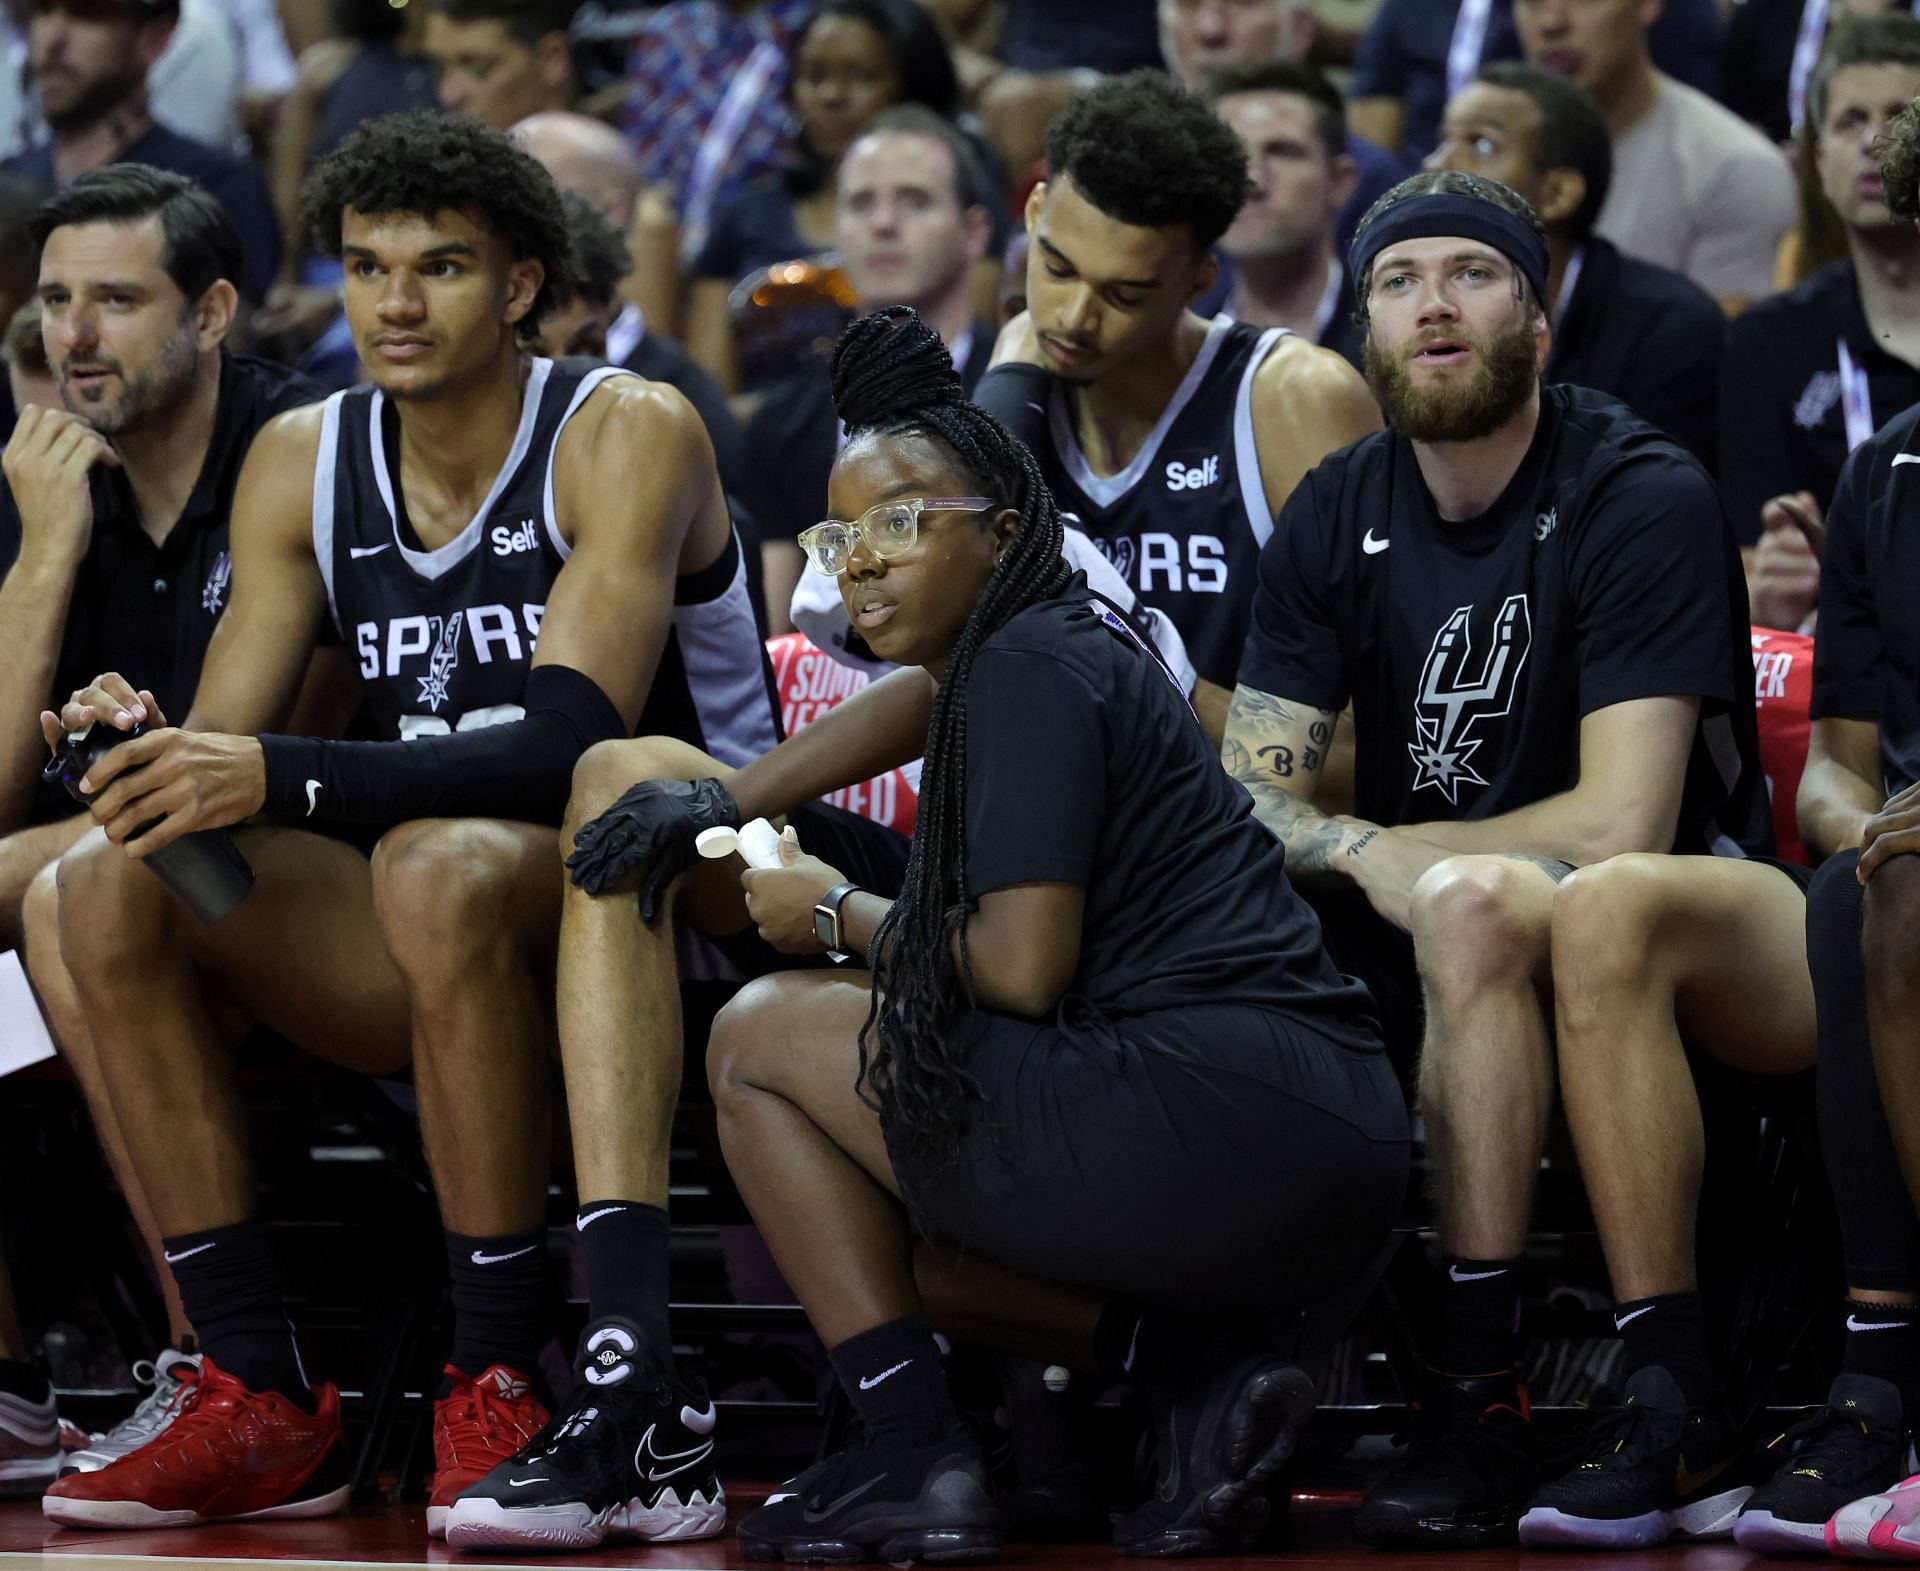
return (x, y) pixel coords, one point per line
(888, 366)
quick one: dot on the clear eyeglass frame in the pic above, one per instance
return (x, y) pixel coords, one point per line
(889, 530)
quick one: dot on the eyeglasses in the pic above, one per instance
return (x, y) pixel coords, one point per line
(888, 530)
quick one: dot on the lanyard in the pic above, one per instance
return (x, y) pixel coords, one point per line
(1329, 301)
(728, 125)
(1856, 402)
(1469, 42)
(1806, 54)
(1568, 280)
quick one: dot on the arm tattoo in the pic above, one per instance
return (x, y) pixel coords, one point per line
(1266, 743)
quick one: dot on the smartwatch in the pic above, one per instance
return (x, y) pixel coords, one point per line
(826, 920)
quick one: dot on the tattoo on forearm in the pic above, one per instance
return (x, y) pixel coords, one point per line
(1267, 743)
(1361, 844)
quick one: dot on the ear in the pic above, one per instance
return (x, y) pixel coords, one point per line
(524, 279)
(1561, 193)
(214, 313)
(1346, 180)
(154, 37)
(976, 232)
(553, 60)
(1036, 200)
(1300, 32)
(1005, 525)
(1204, 275)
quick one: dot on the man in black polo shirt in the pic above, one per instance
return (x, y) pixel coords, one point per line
(1645, 334)
(90, 60)
(1809, 375)
(1530, 600)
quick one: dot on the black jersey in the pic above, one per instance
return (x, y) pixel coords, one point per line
(1185, 520)
(445, 637)
(1471, 650)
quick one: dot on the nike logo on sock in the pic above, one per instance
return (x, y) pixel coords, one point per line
(885, 1374)
(198, 1249)
(1620, 1321)
(493, 1260)
(1474, 1276)
(1852, 1323)
(1133, 1342)
(580, 1224)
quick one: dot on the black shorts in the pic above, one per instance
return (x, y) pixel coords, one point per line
(1222, 1158)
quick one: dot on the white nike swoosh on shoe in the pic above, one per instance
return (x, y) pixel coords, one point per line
(493, 1260)
(521, 1483)
(885, 1374)
(1905, 458)
(580, 1224)
(198, 1249)
(358, 551)
(1620, 1321)
(700, 1423)
(1473, 1276)
(1133, 1342)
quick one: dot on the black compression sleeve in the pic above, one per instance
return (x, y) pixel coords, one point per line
(522, 769)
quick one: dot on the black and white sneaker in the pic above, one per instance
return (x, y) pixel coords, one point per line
(1222, 1441)
(1855, 1446)
(628, 1455)
(872, 1502)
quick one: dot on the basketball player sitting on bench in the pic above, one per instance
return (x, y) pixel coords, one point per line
(1534, 605)
(469, 502)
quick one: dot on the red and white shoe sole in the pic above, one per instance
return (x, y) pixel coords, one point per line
(137, 1513)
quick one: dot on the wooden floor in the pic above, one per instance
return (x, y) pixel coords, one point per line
(397, 1536)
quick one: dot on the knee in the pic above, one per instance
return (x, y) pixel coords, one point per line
(441, 887)
(109, 913)
(1472, 927)
(744, 1034)
(1605, 918)
(40, 929)
(1890, 926)
(606, 771)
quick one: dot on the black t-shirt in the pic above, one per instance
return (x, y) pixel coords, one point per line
(1866, 653)
(234, 183)
(1647, 336)
(1471, 650)
(1783, 421)
(149, 611)
(1085, 766)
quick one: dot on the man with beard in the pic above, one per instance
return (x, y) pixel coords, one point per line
(1171, 441)
(1532, 602)
(90, 60)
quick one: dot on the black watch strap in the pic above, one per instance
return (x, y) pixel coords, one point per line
(826, 919)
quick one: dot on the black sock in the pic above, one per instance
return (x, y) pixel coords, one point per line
(894, 1378)
(1116, 1342)
(626, 1245)
(1479, 1317)
(24, 1380)
(1670, 1330)
(499, 1299)
(1883, 1340)
(232, 1295)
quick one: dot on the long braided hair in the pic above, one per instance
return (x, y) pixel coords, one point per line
(892, 376)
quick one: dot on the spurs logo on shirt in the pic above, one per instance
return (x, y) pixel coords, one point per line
(1454, 699)
(213, 596)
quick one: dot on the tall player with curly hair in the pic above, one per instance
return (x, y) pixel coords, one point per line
(1098, 1058)
(522, 557)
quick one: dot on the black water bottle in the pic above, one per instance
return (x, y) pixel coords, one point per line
(204, 871)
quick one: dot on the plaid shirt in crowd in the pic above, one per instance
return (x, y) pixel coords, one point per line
(685, 58)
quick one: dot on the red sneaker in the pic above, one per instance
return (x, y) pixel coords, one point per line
(477, 1425)
(232, 1454)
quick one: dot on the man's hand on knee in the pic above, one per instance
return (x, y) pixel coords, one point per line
(1893, 831)
(646, 839)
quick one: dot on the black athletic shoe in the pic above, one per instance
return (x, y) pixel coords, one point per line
(871, 1502)
(628, 1455)
(1221, 1442)
(1855, 1446)
(1469, 1468)
(1652, 1470)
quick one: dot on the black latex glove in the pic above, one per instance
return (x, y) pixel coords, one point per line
(648, 836)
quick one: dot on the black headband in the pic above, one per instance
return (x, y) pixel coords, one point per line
(1449, 213)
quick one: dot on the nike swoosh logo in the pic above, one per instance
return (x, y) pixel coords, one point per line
(672, 1462)
(580, 1226)
(1852, 1324)
(1133, 1342)
(1620, 1321)
(198, 1249)
(358, 551)
(1035, 407)
(1905, 458)
(885, 1374)
(313, 796)
(1374, 547)
(1685, 1483)
(493, 1260)
(699, 1423)
(845, 1500)
(521, 1483)
(1472, 1276)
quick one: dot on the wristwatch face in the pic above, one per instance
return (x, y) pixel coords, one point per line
(823, 927)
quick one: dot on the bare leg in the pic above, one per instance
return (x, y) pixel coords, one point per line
(23, 854)
(1648, 950)
(68, 1023)
(1480, 935)
(469, 909)
(302, 955)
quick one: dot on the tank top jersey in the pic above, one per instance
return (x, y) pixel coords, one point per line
(1185, 520)
(444, 638)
